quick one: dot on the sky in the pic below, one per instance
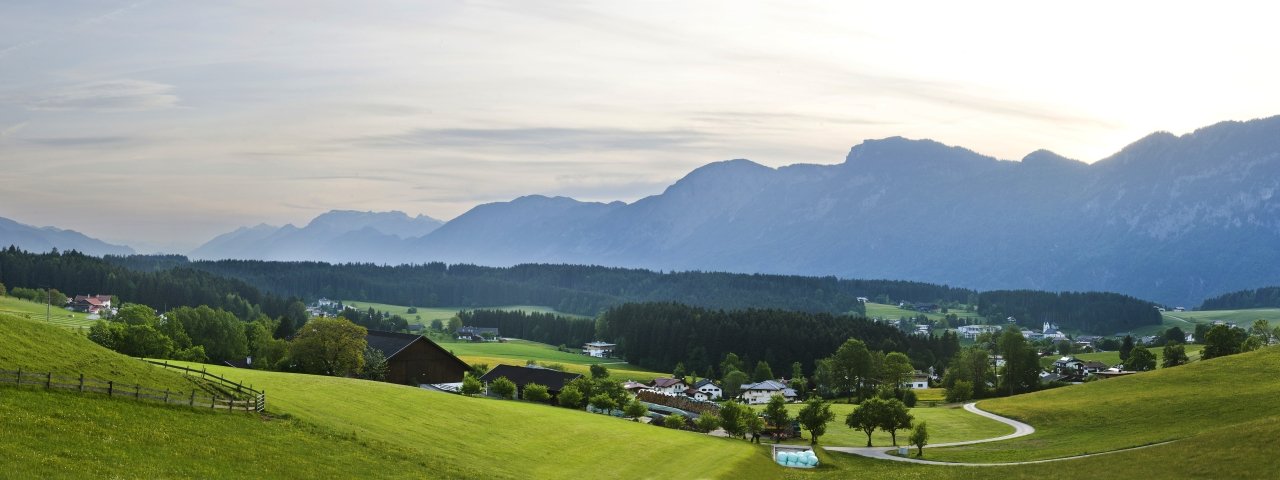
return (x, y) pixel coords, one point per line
(163, 123)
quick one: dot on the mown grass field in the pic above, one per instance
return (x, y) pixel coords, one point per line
(442, 313)
(1187, 321)
(36, 311)
(1167, 404)
(1113, 358)
(946, 424)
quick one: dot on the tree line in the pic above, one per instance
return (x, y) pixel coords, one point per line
(1266, 297)
(75, 273)
(577, 289)
(1096, 312)
(659, 336)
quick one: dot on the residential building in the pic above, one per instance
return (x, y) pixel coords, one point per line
(669, 386)
(478, 334)
(708, 389)
(598, 349)
(415, 359)
(761, 392)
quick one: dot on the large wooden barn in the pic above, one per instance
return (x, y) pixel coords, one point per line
(415, 359)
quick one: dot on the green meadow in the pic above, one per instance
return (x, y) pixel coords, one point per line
(893, 312)
(949, 423)
(442, 313)
(36, 311)
(326, 427)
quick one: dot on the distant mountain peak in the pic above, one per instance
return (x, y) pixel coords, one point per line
(1044, 157)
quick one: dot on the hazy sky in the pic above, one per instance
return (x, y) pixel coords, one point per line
(166, 122)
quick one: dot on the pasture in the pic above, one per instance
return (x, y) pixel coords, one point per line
(949, 423)
(1113, 358)
(36, 311)
(427, 314)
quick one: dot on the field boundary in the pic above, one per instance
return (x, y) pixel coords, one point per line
(113, 389)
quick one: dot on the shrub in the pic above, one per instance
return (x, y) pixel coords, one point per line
(603, 402)
(961, 391)
(536, 393)
(503, 388)
(707, 423)
(909, 398)
(570, 397)
(674, 421)
(470, 384)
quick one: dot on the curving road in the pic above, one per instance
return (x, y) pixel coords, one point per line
(1019, 430)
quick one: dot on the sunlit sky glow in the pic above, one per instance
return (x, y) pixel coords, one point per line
(162, 123)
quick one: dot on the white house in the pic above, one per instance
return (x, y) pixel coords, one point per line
(919, 381)
(669, 386)
(706, 389)
(972, 331)
(760, 392)
(598, 349)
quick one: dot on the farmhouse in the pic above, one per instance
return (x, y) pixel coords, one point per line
(706, 389)
(598, 349)
(761, 392)
(478, 334)
(91, 303)
(554, 380)
(669, 386)
(1074, 369)
(972, 331)
(416, 360)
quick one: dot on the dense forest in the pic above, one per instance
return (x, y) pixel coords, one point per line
(578, 289)
(1265, 297)
(1092, 312)
(660, 335)
(74, 273)
(536, 326)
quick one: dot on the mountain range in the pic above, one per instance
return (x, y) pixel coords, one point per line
(337, 236)
(1168, 218)
(43, 239)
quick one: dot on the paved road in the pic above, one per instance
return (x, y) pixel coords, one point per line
(1019, 430)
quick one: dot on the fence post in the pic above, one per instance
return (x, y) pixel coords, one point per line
(19, 382)
(213, 401)
(137, 391)
(193, 397)
(82, 382)
(48, 380)
(166, 395)
(111, 387)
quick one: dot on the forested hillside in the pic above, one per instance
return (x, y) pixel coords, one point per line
(1266, 297)
(1093, 312)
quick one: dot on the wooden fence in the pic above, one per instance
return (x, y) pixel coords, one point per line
(239, 387)
(81, 383)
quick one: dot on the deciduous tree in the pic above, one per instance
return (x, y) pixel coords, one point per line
(814, 417)
(1140, 360)
(328, 346)
(1173, 356)
(919, 438)
(502, 388)
(868, 416)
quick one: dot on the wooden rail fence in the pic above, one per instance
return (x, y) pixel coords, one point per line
(239, 387)
(81, 383)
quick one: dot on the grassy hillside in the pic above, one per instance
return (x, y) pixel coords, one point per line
(1167, 404)
(486, 438)
(519, 352)
(67, 435)
(947, 424)
(36, 311)
(1113, 357)
(37, 347)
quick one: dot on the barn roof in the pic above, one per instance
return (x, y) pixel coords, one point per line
(554, 380)
(391, 343)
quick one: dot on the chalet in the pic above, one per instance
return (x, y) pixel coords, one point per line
(1074, 369)
(416, 360)
(91, 304)
(554, 380)
(761, 392)
(598, 349)
(634, 386)
(705, 389)
(478, 334)
(669, 386)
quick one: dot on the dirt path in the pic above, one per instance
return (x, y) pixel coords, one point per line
(1019, 430)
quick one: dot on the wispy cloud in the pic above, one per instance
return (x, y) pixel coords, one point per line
(78, 141)
(538, 138)
(112, 95)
